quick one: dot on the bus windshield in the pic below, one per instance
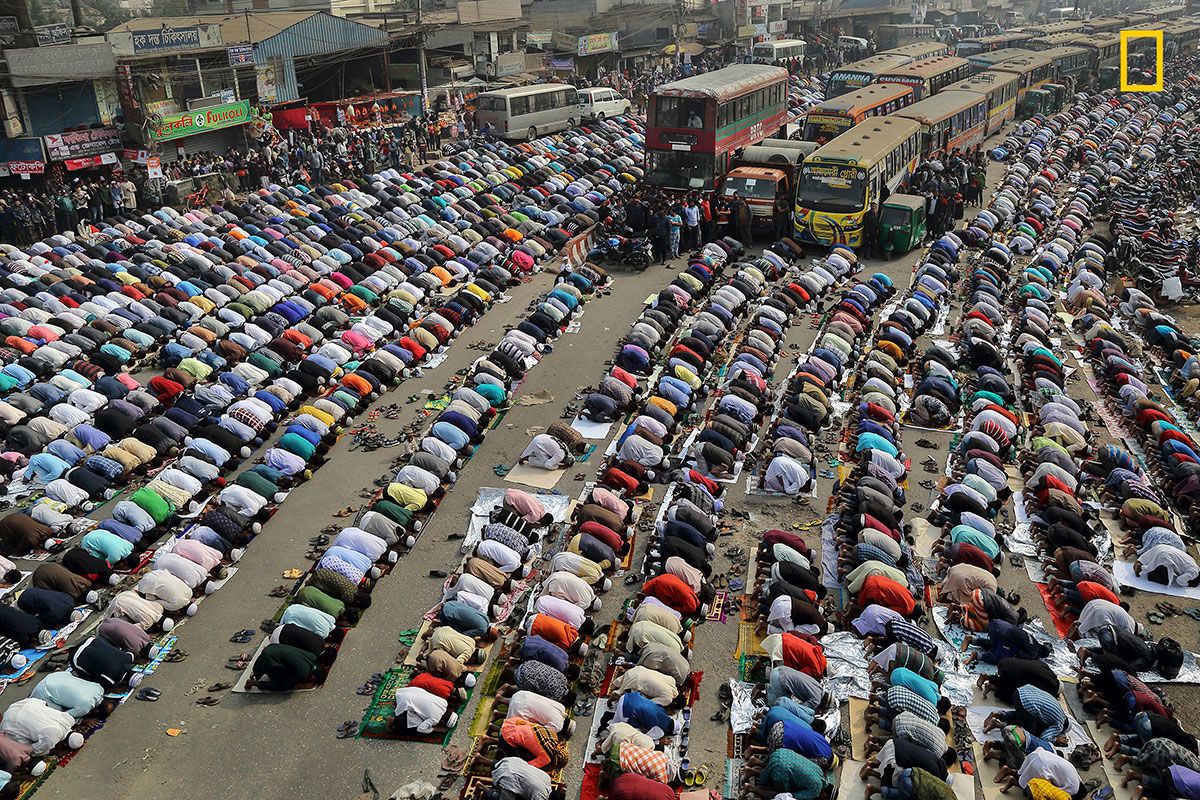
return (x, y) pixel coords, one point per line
(749, 187)
(832, 188)
(680, 170)
(679, 112)
(823, 127)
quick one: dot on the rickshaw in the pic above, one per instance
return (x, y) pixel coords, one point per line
(901, 223)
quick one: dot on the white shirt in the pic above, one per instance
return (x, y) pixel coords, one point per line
(1098, 613)
(560, 609)
(504, 557)
(786, 475)
(621, 732)
(170, 592)
(420, 705)
(522, 779)
(186, 570)
(535, 708)
(1181, 568)
(35, 723)
(544, 452)
(569, 587)
(1050, 766)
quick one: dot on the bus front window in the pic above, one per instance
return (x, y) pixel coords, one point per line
(832, 188)
(749, 187)
(680, 170)
(679, 112)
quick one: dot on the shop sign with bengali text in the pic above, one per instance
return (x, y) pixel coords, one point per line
(77, 144)
(597, 43)
(189, 123)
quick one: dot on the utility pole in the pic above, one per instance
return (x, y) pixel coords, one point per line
(678, 31)
(387, 56)
(421, 70)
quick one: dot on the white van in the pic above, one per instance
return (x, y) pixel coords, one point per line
(601, 103)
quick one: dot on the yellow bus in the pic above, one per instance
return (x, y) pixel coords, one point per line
(985, 44)
(1031, 71)
(858, 74)
(834, 117)
(919, 51)
(1000, 89)
(949, 121)
(840, 181)
(930, 76)
(1105, 47)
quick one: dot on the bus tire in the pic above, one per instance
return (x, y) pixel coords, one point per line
(532, 133)
(600, 117)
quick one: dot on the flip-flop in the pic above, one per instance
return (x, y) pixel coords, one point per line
(148, 694)
(175, 656)
(347, 729)
(220, 687)
(242, 636)
(736, 585)
(237, 666)
(279, 591)
(208, 700)
(700, 776)
(366, 689)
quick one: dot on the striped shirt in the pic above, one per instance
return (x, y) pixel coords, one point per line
(905, 632)
(1040, 712)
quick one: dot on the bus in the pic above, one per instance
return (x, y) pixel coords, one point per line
(1179, 35)
(840, 181)
(889, 36)
(834, 117)
(949, 121)
(1031, 71)
(694, 125)
(1000, 89)
(528, 111)
(1070, 62)
(858, 74)
(1053, 40)
(919, 51)
(1054, 28)
(1103, 24)
(985, 44)
(1105, 48)
(1060, 14)
(984, 61)
(780, 50)
(930, 76)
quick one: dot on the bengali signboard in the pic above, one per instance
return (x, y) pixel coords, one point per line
(240, 54)
(26, 167)
(539, 38)
(58, 33)
(77, 144)
(90, 161)
(189, 123)
(596, 43)
(745, 32)
(165, 38)
(8, 26)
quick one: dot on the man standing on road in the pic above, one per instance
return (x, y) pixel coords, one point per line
(691, 219)
(740, 213)
(870, 240)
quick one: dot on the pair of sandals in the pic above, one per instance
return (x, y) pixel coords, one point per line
(693, 778)
(368, 688)
(243, 636)
(348, 728)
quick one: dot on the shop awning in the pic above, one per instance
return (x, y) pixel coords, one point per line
(689, 48)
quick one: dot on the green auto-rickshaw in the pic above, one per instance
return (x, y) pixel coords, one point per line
(901, 223)
(1110, 77)
(1035, 101)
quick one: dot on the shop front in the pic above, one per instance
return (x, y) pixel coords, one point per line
(21, 159)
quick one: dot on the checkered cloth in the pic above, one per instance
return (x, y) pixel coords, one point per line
(653, 764)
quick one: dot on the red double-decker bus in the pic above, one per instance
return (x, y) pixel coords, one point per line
(695, 124)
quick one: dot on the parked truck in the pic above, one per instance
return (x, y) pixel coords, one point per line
(765, 177)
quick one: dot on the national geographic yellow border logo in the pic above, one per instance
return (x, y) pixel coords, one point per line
(1126, 37)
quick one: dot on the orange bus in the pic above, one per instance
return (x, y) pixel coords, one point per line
(834, 117)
